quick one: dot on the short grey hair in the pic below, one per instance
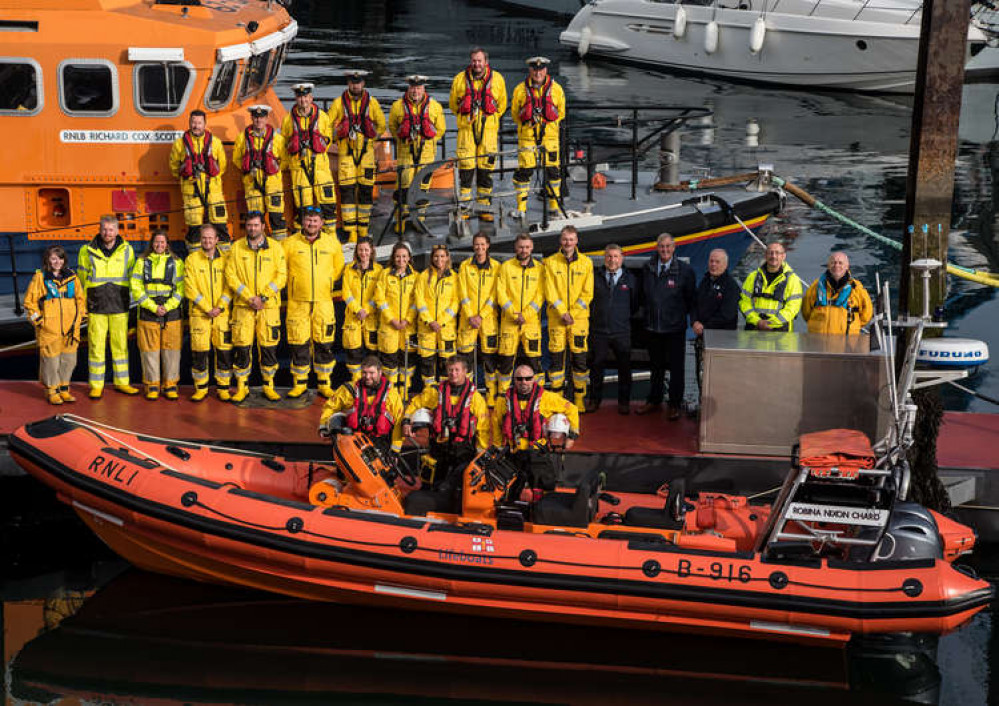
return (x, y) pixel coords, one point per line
(664, 236)
(613, 246)
(723, 252)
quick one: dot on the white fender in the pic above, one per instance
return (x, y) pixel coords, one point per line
(711, 37)
(584, 41)
(679, 22)
(757, 35)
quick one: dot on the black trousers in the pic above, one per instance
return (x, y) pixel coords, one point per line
(601, 346)
(666, 351)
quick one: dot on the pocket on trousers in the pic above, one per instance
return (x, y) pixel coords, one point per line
(327, 192)
(492, 341)
(219, 211)
(275, 333)
(330, 329)
(227, 337)
(275, 201)
(372, 339)
(369, 174)
(534, 347)
(579, 342)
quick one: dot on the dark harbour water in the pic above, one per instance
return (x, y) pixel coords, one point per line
(849, 151)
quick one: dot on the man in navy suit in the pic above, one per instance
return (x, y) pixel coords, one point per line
(615, 300)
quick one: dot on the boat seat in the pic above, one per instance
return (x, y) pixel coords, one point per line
(575, 509)
(670, 516)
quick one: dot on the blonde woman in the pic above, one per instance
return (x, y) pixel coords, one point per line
(438, 297)
(360, 319)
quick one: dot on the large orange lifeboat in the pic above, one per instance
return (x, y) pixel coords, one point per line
(836, 554)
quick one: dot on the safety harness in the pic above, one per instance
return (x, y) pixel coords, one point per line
(454, 422)
(263, 158)
(523, 423)
(369, 416)
(195, 162)
(309, 138)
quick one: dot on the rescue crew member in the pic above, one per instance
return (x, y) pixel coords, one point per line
(668, 293)
(158, 289)
(360, 317)
(255, 272)
(197, 159)
(771, 295)
(615, 302)
(416, 121)
(437, 298)
(56, 304)
(478, 328)
(836, 302)
(569, 291)
(358, 122)
(520, 288)
(104, 267)
(716, 305)
(460, 428)
(537, 107)
(372, 406)
(478, 100)
(396, 303)
(519, 423)
(307, 135)
(259, 154)
(209, 299)
(315, 263)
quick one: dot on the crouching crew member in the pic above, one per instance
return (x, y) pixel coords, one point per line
(371, 406)
(357, 121)
(315, 263)
(537, 107)
(307, 135)
(460, 428)
(478, 330)
(209, 298)
(771, 296)
(105, 265)
(437, 297)
(360, 317)
(569, 291)
(520, 289)
(158, 290)
(394, 297)
(56, 304)
(836, 302)
(416, 121)
(256, 273)
(197, 159)
(259, 155)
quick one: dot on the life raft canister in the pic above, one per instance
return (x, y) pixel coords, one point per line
(454, 421)
(482, 99)
(198, 162)
(541, 108)
(359, 122)
(526, 423)
(419, 122)
(369, 415)
(310, 138)
(262, 158)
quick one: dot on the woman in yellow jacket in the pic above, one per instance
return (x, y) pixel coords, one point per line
(397, 316)
(157, 286)
(56, 303)
(360, 318)
(438, 298)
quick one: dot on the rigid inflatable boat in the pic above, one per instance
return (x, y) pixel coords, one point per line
(836, 554)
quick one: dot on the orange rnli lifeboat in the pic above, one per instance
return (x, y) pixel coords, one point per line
(838, 552)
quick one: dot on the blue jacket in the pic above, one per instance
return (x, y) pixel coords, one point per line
(718, 302)
(669, 299)
(611, 310)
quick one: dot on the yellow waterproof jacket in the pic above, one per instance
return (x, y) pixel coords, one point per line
(178, 153)
(395, 296)
(260, 272)
(158, 279)
(56, 305)
(569, 285)
(398, 112)
(521, 290)
(356, 142)
(478, 287)
(437, 298)
(778, 301)
(851, 307)
(460, 86)
(106, 277)
(204, 282)
(359, 291)
(430, 398)
(536, 128)
(550, 403)
(313, 268)
(277, 149)
(343, 400)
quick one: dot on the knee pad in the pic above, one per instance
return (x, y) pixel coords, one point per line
(194, 235)
(365, 194)
(579, 362)
(276, 220)
(300, 354)
(329, 211)
(223, 360)
(488, 362)
(323, 353)
(241, 357)
(354, 356)
(504, 363)
(465, 178)
(199, 360)
(348, 193)
(391, 360)
(485, 178)
(268, 356)
(522, 175)
(552, 174)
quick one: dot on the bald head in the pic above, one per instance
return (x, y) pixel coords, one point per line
(839, 265)
(717, 262)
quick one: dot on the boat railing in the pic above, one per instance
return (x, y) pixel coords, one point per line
(18, 309)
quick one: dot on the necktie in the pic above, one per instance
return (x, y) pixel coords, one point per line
(610, 279)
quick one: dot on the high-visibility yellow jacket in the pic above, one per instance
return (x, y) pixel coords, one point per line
(259, 272)
(106, 276)
(829, 311)
(569, 285)
(521, 290)
(430, 398)
(478, 287)
(460, 86)
(56, 305)
(343, 399)
(356, 142)
(529, 131)
(158, 280)
(437, 297)
(398, 112)
(359, 291)
(395, 295)
(204, 282)
(548, 404)
(313, 268)
(778, 301)
(276, 149)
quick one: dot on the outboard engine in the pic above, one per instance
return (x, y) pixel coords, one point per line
(911, 534)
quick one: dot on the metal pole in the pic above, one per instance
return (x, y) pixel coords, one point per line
(634, 153)
(591, 169)
(18, 310)
(669, 157)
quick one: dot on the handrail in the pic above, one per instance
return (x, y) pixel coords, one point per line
(18, 309)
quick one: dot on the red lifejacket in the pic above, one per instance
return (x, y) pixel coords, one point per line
(457, 418)
(309, 138)
(369, 415)
(198, 162)
(482, 98)
(264, 157)
(359, 122)
(542, 107)
(418, 123)
(526, 423)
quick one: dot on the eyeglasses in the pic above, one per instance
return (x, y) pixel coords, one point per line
(439, 246)
(523, 378)
(312, 210)
(254, 214)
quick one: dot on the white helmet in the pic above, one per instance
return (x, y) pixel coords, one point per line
(557, 424)
(421, 418)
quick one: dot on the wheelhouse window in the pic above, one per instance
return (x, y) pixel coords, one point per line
(255, 75)
(20, 87)
(88, 87)
(222, 86)
(279, 55)
(162, 88)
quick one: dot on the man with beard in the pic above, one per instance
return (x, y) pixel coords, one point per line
(197, 159)
(371, 406)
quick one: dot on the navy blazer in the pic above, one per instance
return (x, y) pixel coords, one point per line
(611, 310)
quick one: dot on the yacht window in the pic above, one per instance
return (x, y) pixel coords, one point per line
(162, 88)
(20, 87)
(88, 87)
(222, 86)
(276, 62)
(255, 75)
